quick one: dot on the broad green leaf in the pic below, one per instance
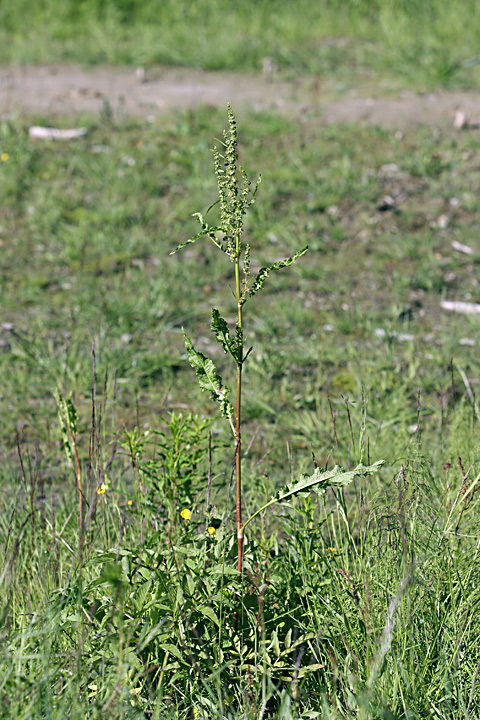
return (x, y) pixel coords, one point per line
(320, 481)
(262, 275)
(173, 650)
(220, 328)
(208, 378)
(210, 614)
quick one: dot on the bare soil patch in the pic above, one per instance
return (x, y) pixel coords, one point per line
(63, 91)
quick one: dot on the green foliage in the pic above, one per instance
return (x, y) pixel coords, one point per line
(208, 379)
(342, 609)
(169, 462)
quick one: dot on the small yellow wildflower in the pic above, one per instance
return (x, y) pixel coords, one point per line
(130, 502)
(186, 514)
(102, 489)
(4, 157)
(211, 530)
(331, 550)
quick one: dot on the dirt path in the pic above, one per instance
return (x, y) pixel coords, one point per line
(66, 91)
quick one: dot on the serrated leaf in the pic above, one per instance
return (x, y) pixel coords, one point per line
(328, 478)
(220, 329)
(320, 481)
(208, 378)
(262, 275)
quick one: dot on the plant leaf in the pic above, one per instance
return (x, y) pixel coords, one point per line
(328, 478)
(263, 274)
(207, 230)
(67, 416)
(320, 481)
(220, 328)
(208, 378)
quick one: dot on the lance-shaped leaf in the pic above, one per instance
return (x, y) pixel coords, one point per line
(220, 328)
(206, 230)
(319, 482)
(262, 275)
(208, 378)
(67, 415)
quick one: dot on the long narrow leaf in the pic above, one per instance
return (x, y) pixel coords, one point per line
(319, 481)
(263, 274)
(206, 231)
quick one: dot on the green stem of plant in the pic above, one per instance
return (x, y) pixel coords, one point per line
(238, 448)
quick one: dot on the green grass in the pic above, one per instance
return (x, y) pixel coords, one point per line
(141, 623)
(426, 43)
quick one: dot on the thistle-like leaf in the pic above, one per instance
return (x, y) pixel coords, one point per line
(328, 478)
(262, 275)
(319, 482)
(208, 378)
(220, 328)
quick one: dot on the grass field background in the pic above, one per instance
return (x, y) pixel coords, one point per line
(426, 44)
(359, 603)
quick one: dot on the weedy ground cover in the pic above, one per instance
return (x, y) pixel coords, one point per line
(424, 43)
(354, 604)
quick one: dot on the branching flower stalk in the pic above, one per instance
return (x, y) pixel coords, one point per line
(235, 197)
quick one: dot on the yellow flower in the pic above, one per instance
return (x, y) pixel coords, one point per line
(130, 502)
(102, 489)
(4, 157)
(211, 530)
(331, 550)
(186, 514)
